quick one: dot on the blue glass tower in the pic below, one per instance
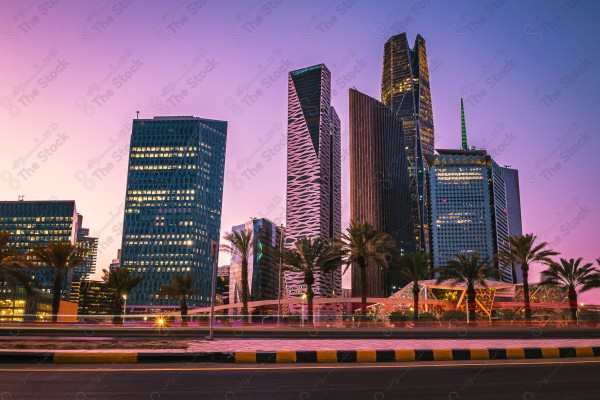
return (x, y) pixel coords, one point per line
(172, 205)
(37, 223)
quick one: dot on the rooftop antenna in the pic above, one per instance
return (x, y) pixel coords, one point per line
(137, 115)
(463, 125)
(21, 198)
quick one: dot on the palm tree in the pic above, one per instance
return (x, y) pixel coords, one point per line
(181, 287)
(13, 266)
(243, 244)
(366, 247)
(470, 270)
(523, 251)
(569, 274)
(61, 257)
(414, 266)
(309, 256)
(121, 281)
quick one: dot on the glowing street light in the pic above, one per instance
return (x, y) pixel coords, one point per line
(303, 298)
(124, 306)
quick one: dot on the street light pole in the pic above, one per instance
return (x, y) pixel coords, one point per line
(124, 307)
(302, 316)
(279, 278)
(215, 251)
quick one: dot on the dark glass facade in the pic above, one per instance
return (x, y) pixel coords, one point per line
(88, 247)
(37, 223)
(513, 205)
(172, 205)
(262, 266)
(405, 89)
(379, 182)
(93, 298)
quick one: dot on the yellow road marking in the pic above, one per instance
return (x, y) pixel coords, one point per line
(327, 356)
(366, 356)
(442, 355)
(95, 358)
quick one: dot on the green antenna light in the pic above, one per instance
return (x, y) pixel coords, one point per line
(464, 126)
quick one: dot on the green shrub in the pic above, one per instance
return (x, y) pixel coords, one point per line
(400, 316)
(453, 315)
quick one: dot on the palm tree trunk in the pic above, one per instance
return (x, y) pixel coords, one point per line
(309, 297)
(363, 289)
(245, 289)
(56, 292)
(117, 309)
(416, 301)
(525, 270)
(184, 311)
(573, 304)
(471, 297)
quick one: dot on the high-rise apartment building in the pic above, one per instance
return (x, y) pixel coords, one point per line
(379, 183)
(172, 205)
(313, 201)
(263, 276)
(37, 223)
(405, 89)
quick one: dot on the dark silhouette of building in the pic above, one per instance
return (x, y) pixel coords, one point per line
(379, 183)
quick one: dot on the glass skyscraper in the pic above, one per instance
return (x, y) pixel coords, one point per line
(37, 223)
(513, 204)
(379, 183)
(172, 205)
(405, 89)
(468, 207)
(263, 269)
(313, 200)
(88, 246)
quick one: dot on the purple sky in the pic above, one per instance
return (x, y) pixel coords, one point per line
(75, 73)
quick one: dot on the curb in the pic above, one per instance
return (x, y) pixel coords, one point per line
(300, 356)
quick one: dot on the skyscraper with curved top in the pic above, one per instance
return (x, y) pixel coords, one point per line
(313, 200)
(405, 89)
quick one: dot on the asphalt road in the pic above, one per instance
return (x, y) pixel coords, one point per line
(302, 333)
(526, 380)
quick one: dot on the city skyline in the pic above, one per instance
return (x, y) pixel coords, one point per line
(496, 81)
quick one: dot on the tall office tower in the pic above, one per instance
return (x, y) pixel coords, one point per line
(513, 205)
(88, 246)
(405, 89)
(263, 270)
(379, 182)
(172, 205)
(313, 201)
(468, 207)
(468, 202)
(37, 223)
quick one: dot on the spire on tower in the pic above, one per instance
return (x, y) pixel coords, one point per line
(464, 126)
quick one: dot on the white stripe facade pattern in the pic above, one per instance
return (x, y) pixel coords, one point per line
(313, 201)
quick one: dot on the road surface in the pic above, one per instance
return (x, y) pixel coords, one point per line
(526, 379)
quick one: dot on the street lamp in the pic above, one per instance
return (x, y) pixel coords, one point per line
(124, 307)
(302, 317)
(279, 278)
